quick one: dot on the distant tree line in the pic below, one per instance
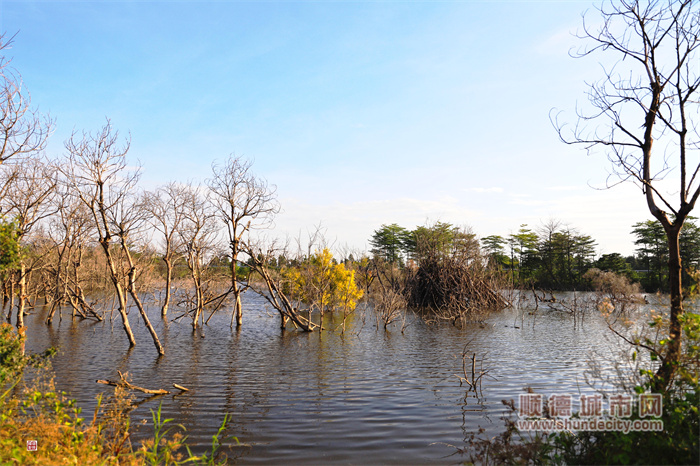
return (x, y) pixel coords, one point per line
(554, 256)
(397, 245)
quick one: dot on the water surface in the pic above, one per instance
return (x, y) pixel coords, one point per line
(366, 396)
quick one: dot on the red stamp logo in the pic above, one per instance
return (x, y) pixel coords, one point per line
(32, 445)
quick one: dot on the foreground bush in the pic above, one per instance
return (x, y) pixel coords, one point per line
(678, 443)
(36, 411)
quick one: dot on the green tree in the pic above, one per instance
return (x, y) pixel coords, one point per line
(556, 257)
(389, 243)
(565, 255)
(584, 252)
(495, 247)
(524, 253)
(652, 251)
(443, 239)
(9, 245)
(550, 245)
(614, 262)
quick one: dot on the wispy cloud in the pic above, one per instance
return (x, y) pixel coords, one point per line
(525, 200)
(493, 189)
(560, 42)
(565, 188)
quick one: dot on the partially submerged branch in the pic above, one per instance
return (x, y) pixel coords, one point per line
(122, 382)
(274, 291)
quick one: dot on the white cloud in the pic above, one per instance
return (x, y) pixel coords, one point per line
(565, 188)
(494, 189)
(526, 200)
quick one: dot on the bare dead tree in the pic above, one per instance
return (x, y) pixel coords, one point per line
(96, 171)
(273, 290)
(70, 231)
(127, 217)
(166, 207)
(616, 296)
(31, 183)
(365, 274)
(23, 130)
(198, 235)
(473, 381)
(643, 116)
(390, 303)
(244, 201)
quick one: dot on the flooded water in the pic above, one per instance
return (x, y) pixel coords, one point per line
(368, 396)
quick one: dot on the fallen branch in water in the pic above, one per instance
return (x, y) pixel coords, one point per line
(125, 383)
(222, 297)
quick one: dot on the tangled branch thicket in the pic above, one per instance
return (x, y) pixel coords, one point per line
(455, 285)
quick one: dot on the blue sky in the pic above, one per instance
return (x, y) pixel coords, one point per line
(361, 113)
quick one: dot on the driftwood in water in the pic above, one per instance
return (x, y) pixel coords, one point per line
(79, 303)
(221, 298)
(125, 383)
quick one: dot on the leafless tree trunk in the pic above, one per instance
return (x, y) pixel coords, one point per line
(128, 216)
(167, 209)
(198, 236)
(644, 116)
(31, 184)
(96, 171)
(69, 232)
(23, 131)
(243, 201)
(12, 299)
(93, 170)
(274, 290)
(131, 286)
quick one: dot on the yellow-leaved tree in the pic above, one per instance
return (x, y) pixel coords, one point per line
(321, 283)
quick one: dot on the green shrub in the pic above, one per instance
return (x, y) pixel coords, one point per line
(9, 246)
